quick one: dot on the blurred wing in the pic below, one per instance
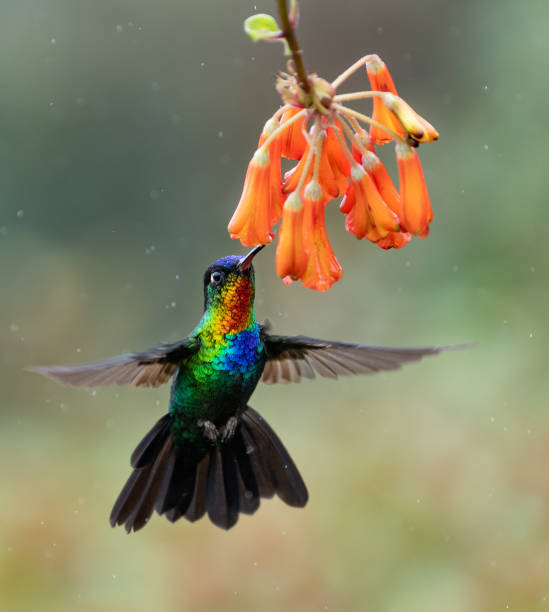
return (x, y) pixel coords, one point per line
(151, 368)
(291, 358)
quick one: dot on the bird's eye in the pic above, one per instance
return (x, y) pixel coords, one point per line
(216, 278)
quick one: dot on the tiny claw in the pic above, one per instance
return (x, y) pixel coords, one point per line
(228, 429)
(210, 430)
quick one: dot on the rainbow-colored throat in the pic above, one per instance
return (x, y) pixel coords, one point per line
(221, 376)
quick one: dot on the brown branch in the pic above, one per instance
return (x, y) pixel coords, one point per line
(291, 39)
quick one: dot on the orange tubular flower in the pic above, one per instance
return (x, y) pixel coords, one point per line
(335, 151)
(370, 206)
(293, 142)
(291, 255)
(323, 269)
(381, 80)
(339, 163)
(394, 240)
(415, 197)
(417, 127)
(251, 219)
(377, 171)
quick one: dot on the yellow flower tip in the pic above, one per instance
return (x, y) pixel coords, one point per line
(417, 127)
(293, 202)
(313, 191)
(261, 158)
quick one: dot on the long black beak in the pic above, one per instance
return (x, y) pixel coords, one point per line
(246, 261)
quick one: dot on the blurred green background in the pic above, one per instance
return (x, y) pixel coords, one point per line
(125, 131)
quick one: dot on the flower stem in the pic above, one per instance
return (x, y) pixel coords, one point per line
(297, 55)
(359, 95)
(353, 113)
(352, 136)
(351, 70)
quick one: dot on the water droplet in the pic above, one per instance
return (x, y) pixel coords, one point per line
(119, 27)
(155, 86)
(20, 214)
(202, 64)
(532, 269)
(531, 335)
(78, 350)
(485, 88)
(485, 147)
(177, 277)
(492, 419)
(220, 134)
(53, 41)
(14, 327)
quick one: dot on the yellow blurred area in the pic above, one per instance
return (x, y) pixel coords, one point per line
(125, 132)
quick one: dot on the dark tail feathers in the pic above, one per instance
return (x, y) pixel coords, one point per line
(228, 479)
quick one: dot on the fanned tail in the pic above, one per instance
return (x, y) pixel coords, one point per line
(224, 480)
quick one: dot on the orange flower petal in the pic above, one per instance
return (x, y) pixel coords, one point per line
(367, 195)
(349, 199)
(394, 240)
(291, 256)
(377, 171)
(418, 127)
(323, 269)
(292, 138)
(291, 178)
(326, 176)
(340, 165)
(277, 195)
(381, 80)
(415, 199)
(250, 221)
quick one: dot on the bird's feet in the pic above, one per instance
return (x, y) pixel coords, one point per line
(210, 430)
(213, 434)
(228, 429)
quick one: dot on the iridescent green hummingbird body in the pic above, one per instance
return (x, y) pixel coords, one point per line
(212, 452)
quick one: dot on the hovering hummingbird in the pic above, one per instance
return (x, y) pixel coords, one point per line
(212, 452)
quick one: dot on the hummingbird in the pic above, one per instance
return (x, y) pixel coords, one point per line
(212, 453)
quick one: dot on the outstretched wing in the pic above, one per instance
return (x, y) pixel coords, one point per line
(291, 358)
(151, 368)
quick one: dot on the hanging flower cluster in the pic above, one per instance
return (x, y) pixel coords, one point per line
(335, 150)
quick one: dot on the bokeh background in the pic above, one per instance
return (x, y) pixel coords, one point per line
(125, 131)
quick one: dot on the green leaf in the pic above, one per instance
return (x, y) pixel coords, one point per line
(262, 27)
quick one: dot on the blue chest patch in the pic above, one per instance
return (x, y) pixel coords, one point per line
(241, 352)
